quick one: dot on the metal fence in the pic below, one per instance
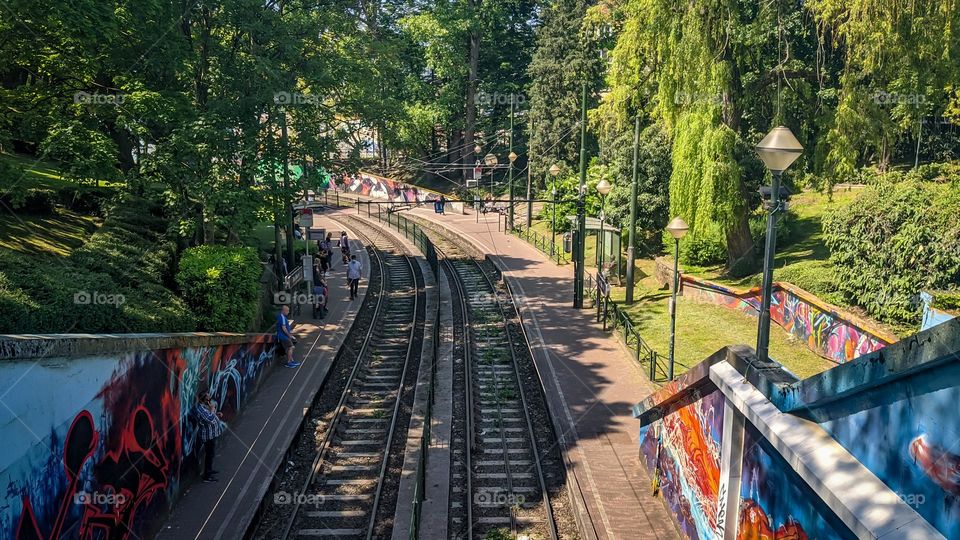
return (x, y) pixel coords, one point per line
(609, 311)
(415, 233)
(543, 243)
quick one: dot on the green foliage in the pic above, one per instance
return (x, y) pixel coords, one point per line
(947, 300)
(113, 283)
(566, 57)
(653, 181)
(816, 277)
(895, 240)
(222, 286)
(758, 231)
(705, 249)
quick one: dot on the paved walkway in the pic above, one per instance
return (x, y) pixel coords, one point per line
(254, 446)
(591, 379)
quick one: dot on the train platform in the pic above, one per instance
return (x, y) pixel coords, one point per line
(591, 381)
(253, 448)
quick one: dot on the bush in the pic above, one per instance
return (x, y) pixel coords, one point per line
(222, 285)
(815, 277)
(894, 241)
(947, 300)
(707, 248)
(84, 199)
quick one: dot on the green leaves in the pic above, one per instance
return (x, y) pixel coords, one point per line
(222, 286)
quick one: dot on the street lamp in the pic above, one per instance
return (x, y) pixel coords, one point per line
(677, 229)
(554, 172)
(512, 157)
(778, 150)
(490, 160)
(603, 188)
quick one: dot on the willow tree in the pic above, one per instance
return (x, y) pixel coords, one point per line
(716, 75)
(901, 63)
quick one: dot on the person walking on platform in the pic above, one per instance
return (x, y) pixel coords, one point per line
(329, 242)
(345, 247)
(353, 274)
(442, 204)
(210, 426)
(285, 338)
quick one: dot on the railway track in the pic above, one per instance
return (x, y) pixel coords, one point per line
(344, 491)
(498, 484)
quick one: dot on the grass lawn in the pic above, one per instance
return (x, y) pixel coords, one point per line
(807, 210)
(702, 329)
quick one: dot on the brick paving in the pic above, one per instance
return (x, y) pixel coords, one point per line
(591, 380)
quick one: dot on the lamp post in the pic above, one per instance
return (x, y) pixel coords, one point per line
(778, 150)
(603, 188)
(554, 171)
(677, 229)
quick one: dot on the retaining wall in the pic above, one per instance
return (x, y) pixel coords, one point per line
(98, 435)
(865, 450)
(379, 187)
(824, 329)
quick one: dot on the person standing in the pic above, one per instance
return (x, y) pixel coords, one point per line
(329, 241)
(442, 203)
(210, 426)
(285, 336)
(353, 274)
(345, 247)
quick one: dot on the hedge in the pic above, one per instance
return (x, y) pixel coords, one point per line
(895, 240)
(222, 286)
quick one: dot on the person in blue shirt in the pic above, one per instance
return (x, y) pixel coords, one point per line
(285, 336)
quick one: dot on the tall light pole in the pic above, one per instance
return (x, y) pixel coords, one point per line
(554, 171)
(677, 229)
(603, 188)
(631, 243)
(581, 208)
(490, 161)
(512, 157)
(778, 150)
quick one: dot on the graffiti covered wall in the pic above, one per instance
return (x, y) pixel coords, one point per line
(99, 447)
(775, 502)
(384, 188)
(824, 330)
(684, 447)
(907, 433)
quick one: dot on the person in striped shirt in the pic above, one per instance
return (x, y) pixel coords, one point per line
(210, 426)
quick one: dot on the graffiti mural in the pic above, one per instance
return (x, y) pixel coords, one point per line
(105, 459)
(824, 331)
(684, 447)
(775, 502)
(384, 188)
(906, 433)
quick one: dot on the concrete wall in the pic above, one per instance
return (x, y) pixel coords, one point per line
(98, 435)
(825, 329)
(865, 450)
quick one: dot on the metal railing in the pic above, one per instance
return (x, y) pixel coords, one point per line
(553, 250)
(415, 233)
(608, 310)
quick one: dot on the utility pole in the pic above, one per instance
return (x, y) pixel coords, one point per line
(511, 157)
(471, 120)
(529, 204)
(581, 209)
(633, 213)
(287, 206)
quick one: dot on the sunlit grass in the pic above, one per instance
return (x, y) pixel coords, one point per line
(56, 234)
